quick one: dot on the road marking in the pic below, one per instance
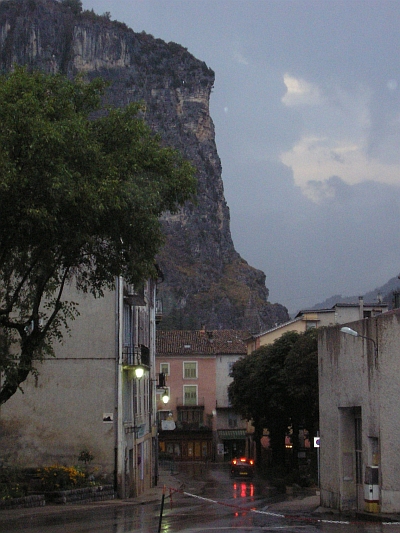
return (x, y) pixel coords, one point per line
(278, 515)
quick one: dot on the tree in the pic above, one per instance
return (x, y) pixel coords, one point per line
(80, 199)
(246, 393)
(277, 387)
(74, 5)
(301, 379)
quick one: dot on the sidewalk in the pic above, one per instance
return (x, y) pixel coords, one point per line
(37, 515)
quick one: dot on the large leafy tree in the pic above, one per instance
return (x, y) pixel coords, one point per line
(246, 393)
(276, 387)
(300, 374)
(81, 192)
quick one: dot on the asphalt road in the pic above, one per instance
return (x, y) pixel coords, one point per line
(197, 499)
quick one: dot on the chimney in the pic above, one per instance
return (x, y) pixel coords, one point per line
(361, 306)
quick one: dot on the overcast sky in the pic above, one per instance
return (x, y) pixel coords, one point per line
(306, 107)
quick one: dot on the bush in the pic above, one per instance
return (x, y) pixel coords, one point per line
(61, 478)
(13, 483)
(12, 490)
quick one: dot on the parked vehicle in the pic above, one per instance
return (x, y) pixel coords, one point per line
(242, 466)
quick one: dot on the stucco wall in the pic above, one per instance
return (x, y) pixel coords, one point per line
(205, 382)
(352, 381)
(223, 379)
(61, 411)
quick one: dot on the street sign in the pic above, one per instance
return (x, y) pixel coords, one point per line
(316, 442)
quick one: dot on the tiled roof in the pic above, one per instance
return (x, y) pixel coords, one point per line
(215, 342)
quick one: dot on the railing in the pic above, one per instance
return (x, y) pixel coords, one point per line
(159, 310)
(136, 356)
(199, 425)
(182, 402)
(192, 426)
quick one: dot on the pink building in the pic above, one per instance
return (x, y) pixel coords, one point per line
(192, 421)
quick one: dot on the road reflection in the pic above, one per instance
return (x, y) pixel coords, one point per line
(243, 490)
(211, 502)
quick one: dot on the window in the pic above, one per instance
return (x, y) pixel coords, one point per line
(190, 394)
(164, 369)
(190, 418)
(127, 321)
(190, 370)
(232, 422)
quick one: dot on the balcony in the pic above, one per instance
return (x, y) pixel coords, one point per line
(159, 311)
(137, 356)
(190, 403)
(188, 418)
(135, 296)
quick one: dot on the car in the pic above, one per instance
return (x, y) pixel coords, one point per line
(242, 467)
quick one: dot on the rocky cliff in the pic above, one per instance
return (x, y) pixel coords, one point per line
(206, 280)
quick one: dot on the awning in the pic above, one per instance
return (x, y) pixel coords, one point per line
(232, 434)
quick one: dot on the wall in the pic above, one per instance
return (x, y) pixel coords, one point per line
(206, 381)
(61, 411)
(223, 379)
(270, 336)
(352, 384)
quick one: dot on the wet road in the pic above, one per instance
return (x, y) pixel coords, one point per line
(212, 502)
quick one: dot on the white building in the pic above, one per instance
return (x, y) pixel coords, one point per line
(359, 388)
(88, 398)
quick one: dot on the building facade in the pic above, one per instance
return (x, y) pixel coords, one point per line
(198, 422)
(359, 386)
(88, 397)
(340, 313)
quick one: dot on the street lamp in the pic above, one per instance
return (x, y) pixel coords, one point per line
(165, 396)
(139, 371)
(350, 331)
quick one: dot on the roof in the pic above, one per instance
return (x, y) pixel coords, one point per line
(201, 342)
(301, 314)
(375, 305)
(274, 329)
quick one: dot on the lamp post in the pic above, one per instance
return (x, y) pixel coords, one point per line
(354, 333)
(165, 400)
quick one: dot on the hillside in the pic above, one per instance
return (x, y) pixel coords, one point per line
(385, 292)
(206, 280)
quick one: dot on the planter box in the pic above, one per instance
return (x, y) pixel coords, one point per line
(86, 494)
(35, 500)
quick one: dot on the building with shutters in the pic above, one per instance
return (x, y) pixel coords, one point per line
(88, 396)
(198, 422)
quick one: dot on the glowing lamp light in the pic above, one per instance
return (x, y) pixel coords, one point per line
(165, 397)
(139, 371)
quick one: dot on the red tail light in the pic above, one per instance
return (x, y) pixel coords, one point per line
(234, 461)
(243, 459)
(251, 462)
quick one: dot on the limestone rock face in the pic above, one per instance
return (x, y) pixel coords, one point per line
(206, 280)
